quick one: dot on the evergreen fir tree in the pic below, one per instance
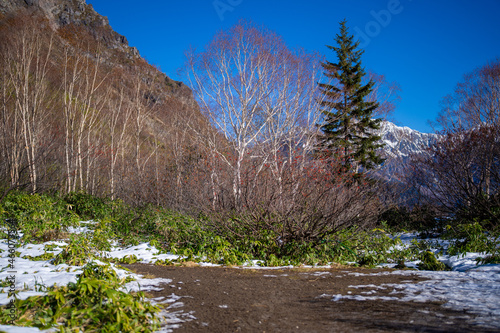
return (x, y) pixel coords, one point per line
(348, 127)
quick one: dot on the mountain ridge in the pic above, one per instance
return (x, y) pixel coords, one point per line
(400, 144)
(403, 141)
(66, 14)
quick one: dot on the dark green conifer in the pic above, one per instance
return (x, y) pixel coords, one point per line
(348, 126)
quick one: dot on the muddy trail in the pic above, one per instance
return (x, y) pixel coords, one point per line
(224, 299)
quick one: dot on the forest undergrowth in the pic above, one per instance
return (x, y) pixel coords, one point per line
(96, 294)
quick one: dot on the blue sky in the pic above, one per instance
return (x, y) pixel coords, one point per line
(424, 45)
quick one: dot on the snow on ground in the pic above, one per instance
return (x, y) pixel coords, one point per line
(467, 286)
(476, 291)
(82, 228)
(31, 276)
(17, 329)
(144, 252)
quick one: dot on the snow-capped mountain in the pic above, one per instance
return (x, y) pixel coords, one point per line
(400, 144)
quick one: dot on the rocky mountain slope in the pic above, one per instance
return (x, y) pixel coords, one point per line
(400, 144)
(108, 121)
(61, 13)
(78, 15)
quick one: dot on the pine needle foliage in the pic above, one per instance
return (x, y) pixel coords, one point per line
(348, 127)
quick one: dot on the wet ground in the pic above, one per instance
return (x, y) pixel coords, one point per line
(224, 299)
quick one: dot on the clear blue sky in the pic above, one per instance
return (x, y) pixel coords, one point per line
(424, 45)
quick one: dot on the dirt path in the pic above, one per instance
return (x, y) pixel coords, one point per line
(244, 300)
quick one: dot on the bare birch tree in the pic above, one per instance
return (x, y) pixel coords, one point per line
(12, 152)
(83, 102)
(254, 90)
(120, 112)
(28, 60)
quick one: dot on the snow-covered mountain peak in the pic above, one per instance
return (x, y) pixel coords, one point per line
(403, 141)
(400, 143)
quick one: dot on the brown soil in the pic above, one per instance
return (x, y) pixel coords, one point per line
(225, 299)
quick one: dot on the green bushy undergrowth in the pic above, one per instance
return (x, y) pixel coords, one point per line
(196, 240)
(94, 303)
(78, 252)
(429, 262)
(90, 207)
(420, 218)
(471, 237)
(40, 217)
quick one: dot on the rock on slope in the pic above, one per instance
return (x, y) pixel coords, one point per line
(63, 12)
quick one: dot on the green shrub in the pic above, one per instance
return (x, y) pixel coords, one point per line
(94, 303)
(41, 218)
(396, 218)
(130, 259)
(165, 262)
(78, 252)
(419, 218)
(91, 207)
(371, 259)
(273, 261)
(102, 235)
(99, 272)
(490, 259)
(471, 237)
(135, 225)
(430, 263)
(42, 257)
(370, 248)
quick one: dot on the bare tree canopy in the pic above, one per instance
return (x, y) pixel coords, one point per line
(475, 101)
(461, 173)
(258, 94)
